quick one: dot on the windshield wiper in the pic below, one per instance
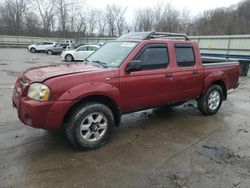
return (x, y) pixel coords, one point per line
(103, 64)
(85, 61)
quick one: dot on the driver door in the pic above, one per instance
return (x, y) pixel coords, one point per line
(153, 84)
(39, 46)
(81, 53)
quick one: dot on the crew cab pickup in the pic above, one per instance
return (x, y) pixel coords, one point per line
(137, 71)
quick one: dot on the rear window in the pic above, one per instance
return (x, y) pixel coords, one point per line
(184, 55)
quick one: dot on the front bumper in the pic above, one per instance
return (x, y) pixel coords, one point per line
(45, 115)
(63, 56)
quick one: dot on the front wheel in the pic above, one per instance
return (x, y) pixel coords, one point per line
(33, 50)
(69, 58)
(89, 126)
(210, 102)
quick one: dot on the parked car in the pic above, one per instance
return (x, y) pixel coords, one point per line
(64, 41)
(40, 46)
(56, 49)
(80, 53)
(137, 71)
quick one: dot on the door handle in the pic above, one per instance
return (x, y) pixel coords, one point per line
(169, 75)
(195, 72)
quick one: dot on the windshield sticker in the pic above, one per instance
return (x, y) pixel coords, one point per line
(128, 44)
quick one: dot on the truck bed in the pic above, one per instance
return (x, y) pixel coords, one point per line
(217, 62)
(206, 60)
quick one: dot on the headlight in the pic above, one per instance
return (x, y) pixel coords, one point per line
(39, 92)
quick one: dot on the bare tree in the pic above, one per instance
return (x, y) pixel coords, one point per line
(162, 17)
(81, 26)
(115, 19)
(63, 8)
(31, 23)
(92, 17)
(101, 23)
(67, 17)
(110, 19)
(185, 22)
(144, 20)
(120, 21)
(166, 18)
(46, 10)
(75, 11)
(12, 13)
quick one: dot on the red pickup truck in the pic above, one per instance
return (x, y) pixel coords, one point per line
(137, 71)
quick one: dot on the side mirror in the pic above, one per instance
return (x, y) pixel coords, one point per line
(134, 65)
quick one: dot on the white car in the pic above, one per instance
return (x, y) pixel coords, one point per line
(41, 46)
(80, 53)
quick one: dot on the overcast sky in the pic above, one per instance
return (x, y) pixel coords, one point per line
(195, 6)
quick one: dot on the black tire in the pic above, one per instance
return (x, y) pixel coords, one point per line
(78, 116)
(49, 52)
(33, 50)
(203, 102)
(69, 58)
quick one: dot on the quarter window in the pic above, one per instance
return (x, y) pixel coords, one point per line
(184, 55)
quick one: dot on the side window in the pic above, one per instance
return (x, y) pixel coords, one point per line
(63, 45)
(184, 55)
(47, 43)
(91, 48)
(83, 48)
(153, 56)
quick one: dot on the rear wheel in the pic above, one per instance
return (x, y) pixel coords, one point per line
(210, 102)
(49, 52)
(69, 58)
(89, 126)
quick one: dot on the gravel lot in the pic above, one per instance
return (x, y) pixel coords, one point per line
(164, 147)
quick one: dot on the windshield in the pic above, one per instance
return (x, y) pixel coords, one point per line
(112, 54)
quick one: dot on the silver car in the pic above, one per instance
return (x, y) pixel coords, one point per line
(40, 46)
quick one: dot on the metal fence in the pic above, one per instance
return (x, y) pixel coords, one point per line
(228, 46)
(24, 41)
(232, 47)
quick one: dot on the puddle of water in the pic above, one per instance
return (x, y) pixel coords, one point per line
(218, 154)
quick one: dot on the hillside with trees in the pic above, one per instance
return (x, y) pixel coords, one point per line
(68, 18)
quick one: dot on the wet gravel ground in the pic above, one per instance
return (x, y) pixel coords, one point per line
(164, 147)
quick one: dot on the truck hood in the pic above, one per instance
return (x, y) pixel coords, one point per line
(40, 74)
